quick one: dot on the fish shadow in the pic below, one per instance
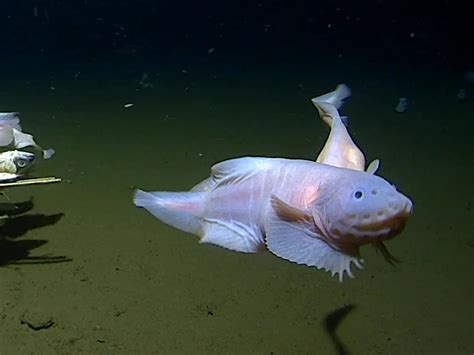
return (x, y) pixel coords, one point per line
(332, 321)
(14, 224)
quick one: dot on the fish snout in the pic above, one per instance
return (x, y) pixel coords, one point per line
(399, 205)
(391, 219)
(408, 206)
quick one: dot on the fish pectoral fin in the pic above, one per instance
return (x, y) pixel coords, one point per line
(287, 212)
(292, 236)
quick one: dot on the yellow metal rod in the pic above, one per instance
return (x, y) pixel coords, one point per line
(33, 181)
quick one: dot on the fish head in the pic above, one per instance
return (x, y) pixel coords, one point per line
(361, 208)
(23, 161)
(16, 162)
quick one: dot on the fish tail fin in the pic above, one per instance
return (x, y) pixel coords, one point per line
(181, 210)
(335, 98)
(341, 93)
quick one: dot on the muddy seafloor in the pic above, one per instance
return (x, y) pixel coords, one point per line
(83, 270)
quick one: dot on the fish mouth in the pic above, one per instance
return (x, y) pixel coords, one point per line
(350, 232)
(359, 235)
(366, 230)
(388, 227)
(383, 229)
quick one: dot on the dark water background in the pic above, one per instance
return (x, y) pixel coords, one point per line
(230, 79)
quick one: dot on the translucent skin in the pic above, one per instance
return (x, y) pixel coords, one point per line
(330, 195)
(305, 212)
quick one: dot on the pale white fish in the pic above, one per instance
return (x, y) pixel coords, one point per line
(339, 149)
(12, 135)
(305, 212)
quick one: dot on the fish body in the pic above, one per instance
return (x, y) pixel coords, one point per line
(306, 212)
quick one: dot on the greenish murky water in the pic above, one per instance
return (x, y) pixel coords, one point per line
(102, 276)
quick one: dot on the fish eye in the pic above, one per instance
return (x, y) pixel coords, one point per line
(21, 163)
(358, 194)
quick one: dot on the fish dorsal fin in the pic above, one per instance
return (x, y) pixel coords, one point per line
(203, 186)
(237, 170)
(373, 166)
(231, 171)
(290, 234)
(339, 149)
